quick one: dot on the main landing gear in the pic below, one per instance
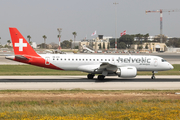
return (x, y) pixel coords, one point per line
(101, 77)
(90, 76)
(153, 76)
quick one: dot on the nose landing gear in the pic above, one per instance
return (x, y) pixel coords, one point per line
(153, 76)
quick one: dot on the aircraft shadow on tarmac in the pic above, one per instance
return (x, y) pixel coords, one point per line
(93, 80)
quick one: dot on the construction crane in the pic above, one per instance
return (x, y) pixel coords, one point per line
(161, 15)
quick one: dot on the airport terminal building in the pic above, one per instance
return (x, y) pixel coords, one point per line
(151, 46)
(95, 44)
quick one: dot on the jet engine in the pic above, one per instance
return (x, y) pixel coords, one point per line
(128, 71)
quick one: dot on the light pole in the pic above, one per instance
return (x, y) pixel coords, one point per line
(59, 30)
(116, 27)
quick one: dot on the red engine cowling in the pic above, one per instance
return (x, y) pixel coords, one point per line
(128, 71)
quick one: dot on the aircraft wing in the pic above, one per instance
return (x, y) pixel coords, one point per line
(107, 66)
(98, 68)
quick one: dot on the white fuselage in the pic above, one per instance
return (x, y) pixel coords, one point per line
(75, 61)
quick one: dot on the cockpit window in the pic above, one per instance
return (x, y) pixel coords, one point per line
(163, 60)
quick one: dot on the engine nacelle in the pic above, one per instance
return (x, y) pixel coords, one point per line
(128, 71)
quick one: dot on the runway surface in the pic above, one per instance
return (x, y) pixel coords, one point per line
(81, 82)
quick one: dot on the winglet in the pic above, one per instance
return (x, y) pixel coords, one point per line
(20, 45)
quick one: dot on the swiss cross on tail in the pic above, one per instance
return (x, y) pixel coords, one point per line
(23, 52)
(20, 44)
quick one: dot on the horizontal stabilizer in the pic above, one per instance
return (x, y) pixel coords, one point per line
(20, 57)
(10, 57)
(17, 57)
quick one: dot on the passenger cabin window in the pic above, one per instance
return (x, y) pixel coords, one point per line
(163, 60)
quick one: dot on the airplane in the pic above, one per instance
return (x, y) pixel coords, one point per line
(104, 65)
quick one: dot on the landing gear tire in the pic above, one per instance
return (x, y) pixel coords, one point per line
(101, 77)
(153, 76)
(90, 76)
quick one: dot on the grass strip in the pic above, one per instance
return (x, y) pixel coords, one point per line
(74, 91)
(147, 107)
(92, 109)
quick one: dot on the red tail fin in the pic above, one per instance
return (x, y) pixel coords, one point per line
(20, 45)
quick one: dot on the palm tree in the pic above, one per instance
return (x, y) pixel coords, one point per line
(29, 37)
(138, 36)
(59, 36)
(146, 46)
(75, 34)
(71, 43)
(153, 46)
(146, 37)
(44, 36)
(8, 41)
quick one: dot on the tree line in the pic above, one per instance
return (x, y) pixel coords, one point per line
(126, 41)
(123, 42)
(173, 42)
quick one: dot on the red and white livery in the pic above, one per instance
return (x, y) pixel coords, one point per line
(105, 65)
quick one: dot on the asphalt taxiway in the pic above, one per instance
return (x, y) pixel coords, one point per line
(81, 82)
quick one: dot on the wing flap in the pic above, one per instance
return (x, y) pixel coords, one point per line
(108, 66)
(98, 68)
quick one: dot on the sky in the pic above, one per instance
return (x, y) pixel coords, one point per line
(42, 17)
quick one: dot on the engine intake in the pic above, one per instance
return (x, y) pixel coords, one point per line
(128, 71)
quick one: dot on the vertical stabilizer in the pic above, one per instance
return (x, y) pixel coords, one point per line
(20, 45)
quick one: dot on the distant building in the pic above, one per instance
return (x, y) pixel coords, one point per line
(151, 46)
(95, 44)
(9, 44)
(48, 46)
(151, 38)
(34, 45)
(171, 49)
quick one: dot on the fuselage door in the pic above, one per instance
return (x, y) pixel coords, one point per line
(113, 60)
(155, 62)
(47, 60)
